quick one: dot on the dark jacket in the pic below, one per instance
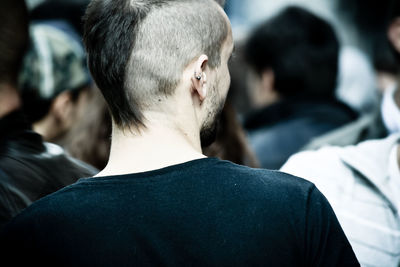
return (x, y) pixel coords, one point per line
(282, 129)
(30, 168)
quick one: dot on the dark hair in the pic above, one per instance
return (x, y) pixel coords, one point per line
(370, 20)
(301, 49)
(394, 12)
(385, 56)
(137, 50)
(14, 38)
(69, 11)
(36, 107)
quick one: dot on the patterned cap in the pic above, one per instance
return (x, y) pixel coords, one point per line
(54, 63)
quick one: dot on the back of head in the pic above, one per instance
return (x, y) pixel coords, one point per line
(137, 50)
(55, 62)
(302, 51)
(13, 38)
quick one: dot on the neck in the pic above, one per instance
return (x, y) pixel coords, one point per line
(9, 99)
(156, 147)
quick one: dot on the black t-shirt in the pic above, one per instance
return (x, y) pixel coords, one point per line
(205, 212)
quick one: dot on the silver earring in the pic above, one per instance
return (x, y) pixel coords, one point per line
(198, 77)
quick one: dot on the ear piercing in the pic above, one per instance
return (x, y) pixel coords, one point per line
(198, 77)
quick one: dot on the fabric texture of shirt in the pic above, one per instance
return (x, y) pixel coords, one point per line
(205, 212)
(362, 183)
(30, 168)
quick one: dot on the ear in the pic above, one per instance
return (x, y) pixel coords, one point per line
(263, 91)
(394, 33)
(62, 107)
(268, 80)
(199, 78)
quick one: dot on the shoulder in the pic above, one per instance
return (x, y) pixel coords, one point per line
(56, 153)
(50, 204)
(26, 231)
(335, 160)
(41, 214)
(325, 168)
(268, 182)
(314, 164)
(314, 157)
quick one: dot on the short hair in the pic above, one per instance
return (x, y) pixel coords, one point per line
(385, 56)
(301, 49)
(14, 38)
(137, 49)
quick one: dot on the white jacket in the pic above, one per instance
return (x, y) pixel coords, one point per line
(362, 183)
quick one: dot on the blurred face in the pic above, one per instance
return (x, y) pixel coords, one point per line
(218, 90)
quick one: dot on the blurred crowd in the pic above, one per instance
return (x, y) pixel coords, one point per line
(313, 93)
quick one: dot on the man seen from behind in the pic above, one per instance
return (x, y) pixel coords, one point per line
(162, 68)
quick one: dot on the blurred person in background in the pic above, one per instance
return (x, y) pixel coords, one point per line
(163, 69)
(61, 11)
(89, 138)
(295, 57)
(29, 168)
(371, 124)
(81, 124)
(356, 80)
(362, 182)
(54, 81)
(358, 24)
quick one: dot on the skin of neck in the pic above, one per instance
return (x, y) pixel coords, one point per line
(171, 136)
(9, 99)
